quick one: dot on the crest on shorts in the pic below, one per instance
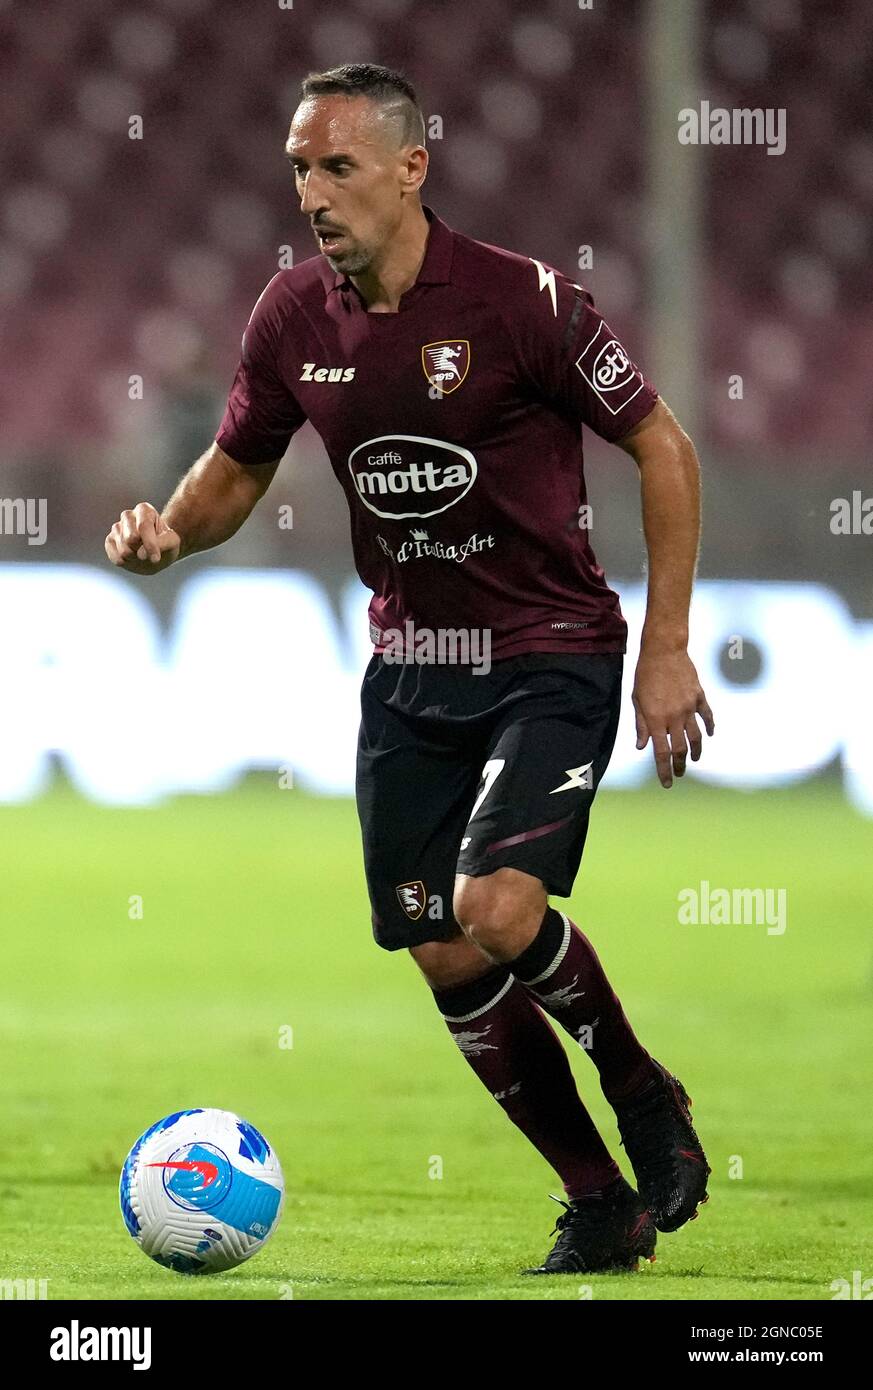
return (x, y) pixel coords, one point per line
(413, 898)
(446, 363)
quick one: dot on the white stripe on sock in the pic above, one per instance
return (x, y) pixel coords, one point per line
(562, 951)
(465, 1018)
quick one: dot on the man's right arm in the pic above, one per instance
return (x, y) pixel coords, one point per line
(214, 498)
(210, 504)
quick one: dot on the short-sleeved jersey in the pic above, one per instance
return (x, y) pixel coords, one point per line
(454, 427)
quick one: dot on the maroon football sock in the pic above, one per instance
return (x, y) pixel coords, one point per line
(517, 1055)
(561, 972)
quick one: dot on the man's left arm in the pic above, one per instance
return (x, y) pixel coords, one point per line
(667, 694)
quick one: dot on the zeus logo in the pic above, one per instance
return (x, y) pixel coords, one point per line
(312, 373)
(547, 281)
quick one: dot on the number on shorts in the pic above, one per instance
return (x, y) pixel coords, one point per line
(490, 773)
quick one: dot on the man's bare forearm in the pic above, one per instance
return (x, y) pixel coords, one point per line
(667, 693)
(670, 494)
(670, 489)
(213, 500)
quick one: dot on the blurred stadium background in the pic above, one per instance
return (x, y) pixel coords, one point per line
(555, 130)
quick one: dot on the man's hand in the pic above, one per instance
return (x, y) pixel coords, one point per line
(141, 542)
(667, 698)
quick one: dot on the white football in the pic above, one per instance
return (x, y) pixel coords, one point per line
(201, 1191)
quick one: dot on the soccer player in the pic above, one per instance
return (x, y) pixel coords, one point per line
(449, 381)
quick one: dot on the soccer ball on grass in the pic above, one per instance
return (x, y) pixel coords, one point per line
(201, 1191)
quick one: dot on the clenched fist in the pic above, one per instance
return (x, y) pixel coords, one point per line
(142, 542)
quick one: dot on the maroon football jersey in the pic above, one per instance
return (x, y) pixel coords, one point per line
(454, 428)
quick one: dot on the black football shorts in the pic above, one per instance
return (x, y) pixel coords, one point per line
(464, 773)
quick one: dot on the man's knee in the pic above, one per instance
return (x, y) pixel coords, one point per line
(498, 910)
(445, 964)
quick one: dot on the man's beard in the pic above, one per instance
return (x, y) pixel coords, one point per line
(354, 263)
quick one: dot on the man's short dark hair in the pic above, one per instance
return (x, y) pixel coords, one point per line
(388, 88)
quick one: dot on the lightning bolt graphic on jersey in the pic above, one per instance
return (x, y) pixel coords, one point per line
(580, 777)
(547, 280)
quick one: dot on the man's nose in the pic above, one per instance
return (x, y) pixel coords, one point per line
(312, 198)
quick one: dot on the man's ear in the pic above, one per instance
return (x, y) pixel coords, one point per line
(416, 168)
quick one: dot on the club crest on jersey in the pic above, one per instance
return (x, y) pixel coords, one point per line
(446, 364)
(413, 898)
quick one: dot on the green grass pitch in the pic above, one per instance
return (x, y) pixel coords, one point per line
(255, 919)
